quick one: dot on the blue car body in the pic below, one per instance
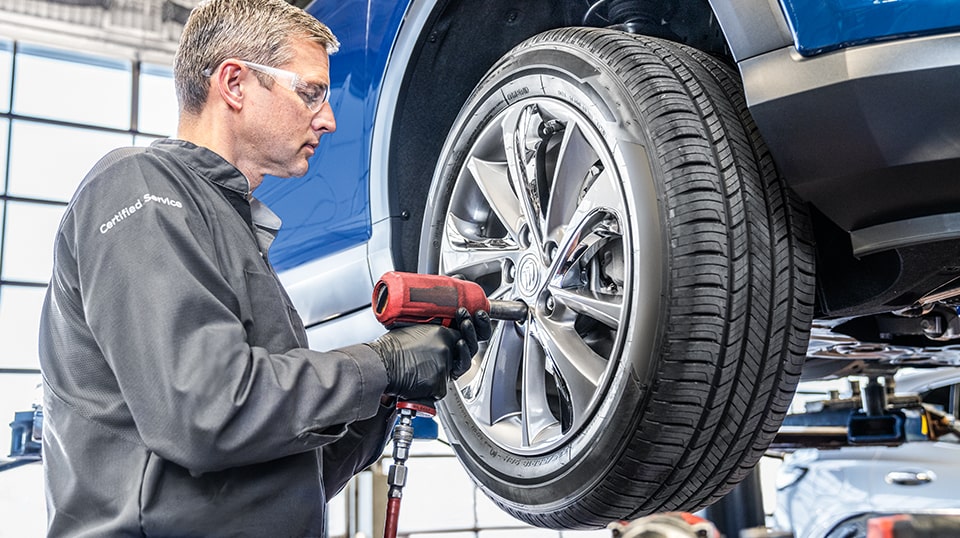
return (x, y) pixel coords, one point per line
(823, 26)
(810, 69)
(328, 209)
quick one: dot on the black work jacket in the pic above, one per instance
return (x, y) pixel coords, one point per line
(180, 398)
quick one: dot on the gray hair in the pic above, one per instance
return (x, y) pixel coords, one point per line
(260, 31)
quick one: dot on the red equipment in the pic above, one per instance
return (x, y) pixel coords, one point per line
(407, 298)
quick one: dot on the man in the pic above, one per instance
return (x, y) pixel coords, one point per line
(179, 396)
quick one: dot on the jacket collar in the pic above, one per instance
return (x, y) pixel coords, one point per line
(215, 169)
(206, 164)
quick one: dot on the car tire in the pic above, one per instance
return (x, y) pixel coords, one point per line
(616, 184)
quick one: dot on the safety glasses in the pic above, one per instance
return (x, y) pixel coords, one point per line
(313, 95)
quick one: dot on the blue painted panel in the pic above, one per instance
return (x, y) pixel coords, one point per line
(824, 25)
(328, 209)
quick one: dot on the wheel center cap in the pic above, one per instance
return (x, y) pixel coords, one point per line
(528, 275)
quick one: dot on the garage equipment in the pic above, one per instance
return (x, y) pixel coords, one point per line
(407, 298)
(403, 434)
(25, 439)
(665, 525)
(873, 415)
(914, 526)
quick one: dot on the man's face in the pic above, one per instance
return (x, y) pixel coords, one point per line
(283, 133)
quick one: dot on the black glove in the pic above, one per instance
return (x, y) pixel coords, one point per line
(419, 359)
(473, 330)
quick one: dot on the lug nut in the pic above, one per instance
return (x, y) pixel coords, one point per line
(549, 305)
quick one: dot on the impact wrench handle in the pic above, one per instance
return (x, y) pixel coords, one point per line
(409, 298)
(397, 475)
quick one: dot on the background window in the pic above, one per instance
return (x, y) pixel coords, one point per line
(48, 161)
(28, 242)
(19, 319)
(69, 86)
(4, 131)
(6, 61)
(157, 106)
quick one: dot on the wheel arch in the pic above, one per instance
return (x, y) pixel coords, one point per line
(458, 41)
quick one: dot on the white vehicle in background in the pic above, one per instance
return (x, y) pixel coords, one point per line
(832, 492)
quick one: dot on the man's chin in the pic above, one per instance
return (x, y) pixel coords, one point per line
(302, 170)
(295, 171)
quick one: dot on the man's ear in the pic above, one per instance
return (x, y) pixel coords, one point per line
(227, 83)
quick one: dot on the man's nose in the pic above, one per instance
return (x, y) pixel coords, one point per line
(323, 120)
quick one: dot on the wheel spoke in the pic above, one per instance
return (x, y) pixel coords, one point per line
(601, 194)
(600, 306)
(491, 393)
(472, 258)
(576, 365)
(492, 178)
(587, 237)
(521, 142)
(536, 417)
(576, 171)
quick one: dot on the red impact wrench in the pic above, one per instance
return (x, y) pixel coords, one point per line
(407, 298)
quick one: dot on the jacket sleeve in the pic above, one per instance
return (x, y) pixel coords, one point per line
(358, 449)
(164, 315)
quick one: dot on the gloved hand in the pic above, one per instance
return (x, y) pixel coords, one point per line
(419, 359)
